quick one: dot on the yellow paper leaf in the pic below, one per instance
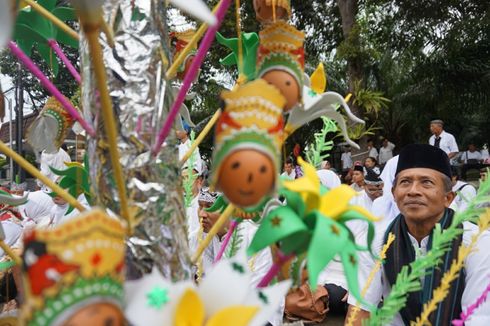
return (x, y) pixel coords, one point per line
(336, 201)
(318, 80)
(365, 212)
(233, 315)
(190, 311)
(307, 186)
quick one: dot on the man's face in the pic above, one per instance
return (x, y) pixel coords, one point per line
(59, 201)
(471, 147)
(435, 128)
(420, 194)
(208, 218)
(374, 191)
(385, 142)
(357, 177)
(288, 167)
(181, 135)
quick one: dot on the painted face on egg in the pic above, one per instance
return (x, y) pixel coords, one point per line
(97, 314)
(246, 176)
(287, 85)
(265, 13)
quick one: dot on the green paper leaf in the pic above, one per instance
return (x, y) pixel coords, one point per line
(250, 44)
(65, 13)
(220, 204)
(329, 239)
(281, 224)
(351, 267)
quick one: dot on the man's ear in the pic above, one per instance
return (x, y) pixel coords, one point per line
(449, 198)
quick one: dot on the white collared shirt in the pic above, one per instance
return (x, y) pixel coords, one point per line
(463, 195)
(477, 270)
(476, 155)
(373, 152)
(447, 144)
(385, 153)
(290, 176)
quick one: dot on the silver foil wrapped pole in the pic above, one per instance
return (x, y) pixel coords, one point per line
(141, 98)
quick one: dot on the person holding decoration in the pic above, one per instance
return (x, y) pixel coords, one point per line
(422, 192)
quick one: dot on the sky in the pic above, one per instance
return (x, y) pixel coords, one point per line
(7, 84)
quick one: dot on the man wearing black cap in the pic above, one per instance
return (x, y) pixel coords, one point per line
(373, 188)
(442, 139)
(358, 178)
(422, 192)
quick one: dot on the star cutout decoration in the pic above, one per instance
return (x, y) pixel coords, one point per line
(263, 297)
(335, 229)
(157, 297)
(250, 44)
(276, 221)
(238, 268)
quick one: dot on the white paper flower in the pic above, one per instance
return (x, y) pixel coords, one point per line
(224, 294)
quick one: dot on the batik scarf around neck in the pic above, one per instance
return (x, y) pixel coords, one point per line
(402, 253)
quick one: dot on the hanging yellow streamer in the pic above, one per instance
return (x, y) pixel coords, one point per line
(241, 78)
(199, 261)
(442, 291)
(222, 220)
(372, 274)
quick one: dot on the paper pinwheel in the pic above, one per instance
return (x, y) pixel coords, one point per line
(224, 297)
(317, 103)
(75, 179)
(314, 221)
(250, 44)
(33, 30)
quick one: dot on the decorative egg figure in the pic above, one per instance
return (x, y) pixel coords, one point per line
(264, 10)
(97, 314)
(246, 177)
(287, 85)
(280, 60)
(249, 136)
(180, 41)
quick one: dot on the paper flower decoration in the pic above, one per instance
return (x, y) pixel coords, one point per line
(49, 130)
(313, 221)
(224, 297)
(72, 269)
(317, 103)
(197, 9)
(33, 30)
(250, 44)
(75, 179)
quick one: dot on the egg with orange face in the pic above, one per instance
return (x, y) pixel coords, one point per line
(246, 177)
(286, 84)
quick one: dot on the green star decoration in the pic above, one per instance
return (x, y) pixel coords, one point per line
(238, 268)
(263, 297)
(276, 221)
(157, 297)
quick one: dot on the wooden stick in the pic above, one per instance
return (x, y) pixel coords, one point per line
(17, 260)
(109, 33)
(172, 71)
(55, 20)
(108, 116)
(35, 172)
(201, 136)
(225, 216)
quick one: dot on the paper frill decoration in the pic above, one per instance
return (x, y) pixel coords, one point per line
(224, 297)
(197, 9)
(317, 103)
(312, 217)
(50, 128)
